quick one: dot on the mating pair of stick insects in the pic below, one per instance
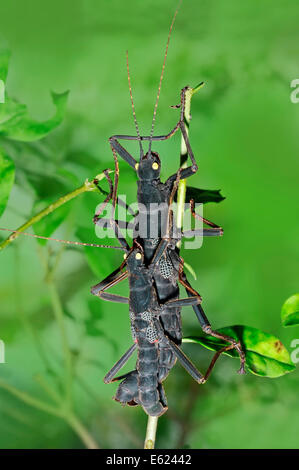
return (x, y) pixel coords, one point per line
(154, 269)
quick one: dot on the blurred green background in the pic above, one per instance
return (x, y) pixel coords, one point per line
(244, 133)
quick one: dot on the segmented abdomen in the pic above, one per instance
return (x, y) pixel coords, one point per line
(142, 385)
(148, 381)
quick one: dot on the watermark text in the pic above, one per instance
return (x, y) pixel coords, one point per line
(154, 221)
(294, 96)
(295, 353)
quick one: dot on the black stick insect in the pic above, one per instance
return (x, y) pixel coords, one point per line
(157, 350)
(159, 270)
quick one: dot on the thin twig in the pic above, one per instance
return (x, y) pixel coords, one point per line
(68, 416)
(181, 198)
(151, 430)
(81, 431)
(87, 186)
(47, 388)
(26, 398)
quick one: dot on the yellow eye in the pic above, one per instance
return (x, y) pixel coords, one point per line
(138, 256)
(155, 166)
(136, 166)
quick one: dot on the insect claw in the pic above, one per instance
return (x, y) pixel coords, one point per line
(175, 106)
(207, 329)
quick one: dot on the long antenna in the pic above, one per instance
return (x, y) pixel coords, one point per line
(161, 77)
(62, 241)
(133, 107)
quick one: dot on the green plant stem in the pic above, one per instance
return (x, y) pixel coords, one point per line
(59, 316)
(151, 431)
(34, 402)
(47, 388)
(67, 415)
(87, 186)
(181, 198)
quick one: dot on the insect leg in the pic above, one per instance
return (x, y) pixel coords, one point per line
(110, 281)
(180, 125)
(115, 138)
(112, 195)
(197, 216)
(120, 202)
(161, 248)
(190, 367)
(102, 222)
(185, 362)
(218, 230)
(146, 137)
(214, 359)
(204, 232)
(118, 365)
(188, 146)
(185, 173)
(122, 152)
(108, 197)
(113, 222)
(206, 327)
(183, 302)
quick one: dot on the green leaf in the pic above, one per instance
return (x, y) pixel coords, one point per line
(290, 311)
(7, 176)
(265, 354)
(203, 195)
(46, 226)
(16, 124)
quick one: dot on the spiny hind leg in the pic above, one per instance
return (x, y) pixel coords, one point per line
(110, 376)
(206, 327)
